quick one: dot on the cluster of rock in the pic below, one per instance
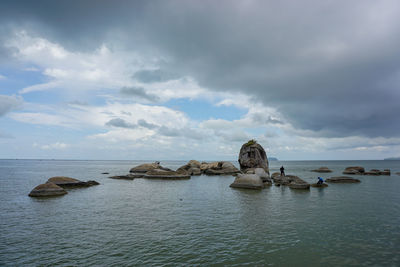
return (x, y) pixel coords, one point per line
(259, 179)
(357, 170)
(56, 186)
(194, 167)
(322, 170)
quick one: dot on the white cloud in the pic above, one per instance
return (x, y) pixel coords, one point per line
(9, 103)
(2, 77)
(54, 146)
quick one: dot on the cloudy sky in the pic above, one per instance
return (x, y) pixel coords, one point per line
(168, 79)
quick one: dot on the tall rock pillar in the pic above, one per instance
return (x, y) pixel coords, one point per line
(252, 155)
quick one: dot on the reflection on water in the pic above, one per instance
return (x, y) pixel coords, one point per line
(201, 221)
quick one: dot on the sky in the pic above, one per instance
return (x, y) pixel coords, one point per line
(181, 80)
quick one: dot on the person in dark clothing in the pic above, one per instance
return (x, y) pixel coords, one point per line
(282, 171)
(320, 180)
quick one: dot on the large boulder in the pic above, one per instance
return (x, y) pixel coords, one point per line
(47, 190)
(165, 175)
(143, 168)
(342, 179)
(68, 182)
(252, 155)
(354, 170)
(322, 170)
(248, 181)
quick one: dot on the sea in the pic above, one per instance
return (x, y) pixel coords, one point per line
(197, 222)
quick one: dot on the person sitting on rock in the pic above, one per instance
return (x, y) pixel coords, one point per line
(282, 171)
(320, 180)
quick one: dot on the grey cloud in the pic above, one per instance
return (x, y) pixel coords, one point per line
(151, 76)
(8, 103)
(139, 92)
(146, 124)
(120, 123)
(314, 62)
(262, 119)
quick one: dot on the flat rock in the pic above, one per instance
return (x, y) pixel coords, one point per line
(127, 177)
(68, 182)
(165, 175)
(190, 168)
(319, 185)
(47, 190)
(377, 172)
(354, 170)
(248, 181)
(322, 170)
(105, 173)
(342, 179)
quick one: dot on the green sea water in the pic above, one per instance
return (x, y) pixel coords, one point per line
(201, 221)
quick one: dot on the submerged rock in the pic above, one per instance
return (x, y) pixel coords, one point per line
(252, 155)
(354, 170)
(319, 185)
(67, 182)
(322, 170)
(378, 172)
(47, 190)
(342, 179)
(248, 181)
(398, 173)
(127, 177)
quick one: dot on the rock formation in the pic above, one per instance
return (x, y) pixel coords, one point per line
(252, 155)
(294, 182)
(127, 177)
(342, 179)
(322, 170)
(148, 167)
(248, 181)
(194, 167)
(67, 182)
(354, 170)
(47, 190)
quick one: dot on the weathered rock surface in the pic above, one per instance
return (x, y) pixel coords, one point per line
(191, 168)
(322, 170)
(342, 179)
(67, 182)
(165, 174)
(354, 170)
(320, 185)
(263, 175)
(219, 168)
(47, 190)
(248, 181)
(143, 168)
(296, 183)
(252, 155)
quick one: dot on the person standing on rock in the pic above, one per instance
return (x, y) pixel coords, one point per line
(282, 171)
(320, 180)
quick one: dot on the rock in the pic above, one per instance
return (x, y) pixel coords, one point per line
(67, 182)
(91, 182)
(263, 175)
(105, 173)
(373, 172)
(385, 172)
(248, 181)
(252, 155)
(322, 169)
(218, 168)
(47, 190)
(398, 173)
(342, 179)
(296, 182)
(354, 170)
(143, 168)
(127, 177)
(165, 174)
(320, 185)
(191, 168)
